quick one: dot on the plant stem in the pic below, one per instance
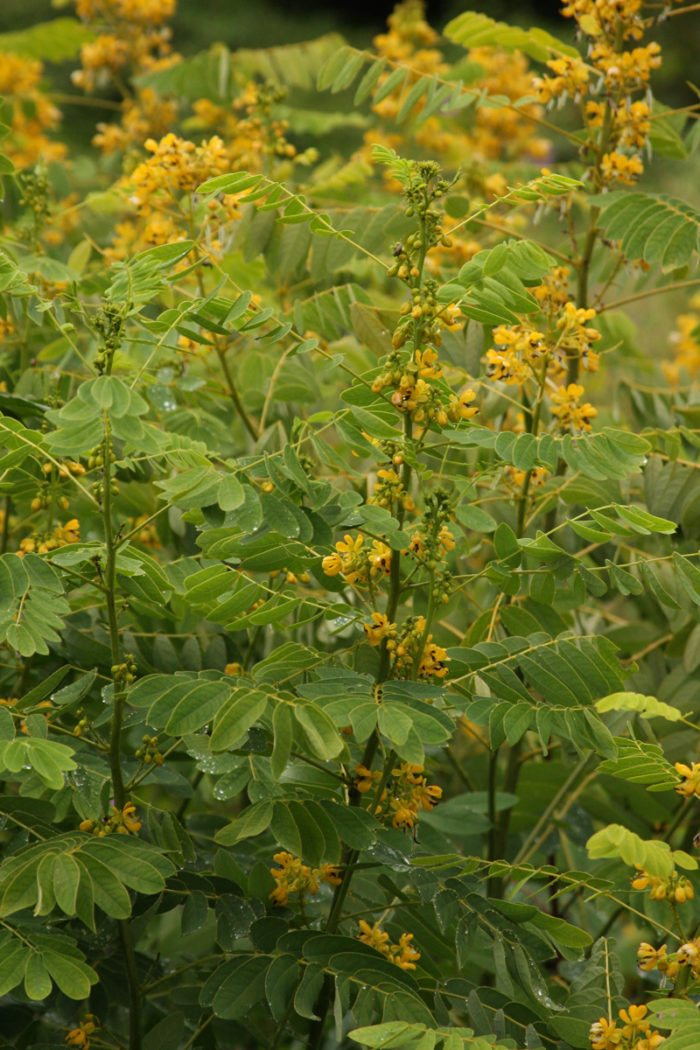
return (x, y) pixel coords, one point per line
(500, 838)
(110, 574)
(234, 395)
(112, 621)
(132, 977)
(534, 839)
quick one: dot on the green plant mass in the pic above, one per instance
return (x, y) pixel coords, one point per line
(349, 537)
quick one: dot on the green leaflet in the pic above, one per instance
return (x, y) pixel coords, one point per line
(107, 865)
(473, 29)
(654, 227)
(654, 856)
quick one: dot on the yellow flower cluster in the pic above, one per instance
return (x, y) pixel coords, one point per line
(415, 395)
(254, 136)
(141, 12)
(616, 167)
(130, 39)
(657, 959)
(402, 953)
(421, 548)
(519, 351)
(516, 478)
(122, 821)
(575, 337)
(686, 346)
(296, 879)
(155, 190)
(553, 293)
(406, 793)
(618, 126)
(176, 166)
(567, 407)
(31, 115)
(61, 535)
(498, 133)
(433, 660)
(79, 1037)
(632, 1031)
(355, 562)
(388, 490)
(688, 954)
(690, 785)
(145, 114)
(676, 888)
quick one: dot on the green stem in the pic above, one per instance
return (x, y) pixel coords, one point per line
(234, 395)
(534, 839)
(110, 583)
(493, 766)
(112, 621)
(132, 977)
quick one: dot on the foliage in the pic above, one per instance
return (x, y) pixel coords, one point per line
(348, 545)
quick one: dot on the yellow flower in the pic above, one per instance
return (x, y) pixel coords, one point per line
(649, 957)
(123, 820)
(380, 629)
(616, 167)
(365, 778)
(403, 953)
(634, 1021)
(430, 796)
(80, 1037)
(568, 411)
(404, 818)
(691, 779)
(374, 936)
(604, 1035)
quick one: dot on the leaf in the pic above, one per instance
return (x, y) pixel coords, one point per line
(73, 976)
(251, 822)
(282, 730)
(319, 730)
(234, 719)
(688, 575)
(181, 703)
(473, 29)
(653, 855)
(242, 986)
(37, 982)
(654, 227)
(53, 41)
(641, 763)
(13, 961)
(66, 878)
(648, 706)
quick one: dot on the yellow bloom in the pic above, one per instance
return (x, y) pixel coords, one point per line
(374, 936)
(616, 167)
(80, 1037)
(403, 953)
(691, 779)
(604, 1035)
(566, 408)
(379, 629)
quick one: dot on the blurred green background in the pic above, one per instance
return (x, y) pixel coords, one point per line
(263, 23)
